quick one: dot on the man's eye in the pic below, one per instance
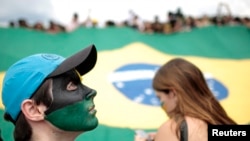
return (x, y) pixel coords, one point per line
(71, 86)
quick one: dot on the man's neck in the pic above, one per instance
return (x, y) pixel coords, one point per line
(44, 131)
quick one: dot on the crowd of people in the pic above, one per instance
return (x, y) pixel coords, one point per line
(178, 22)
(175, 21)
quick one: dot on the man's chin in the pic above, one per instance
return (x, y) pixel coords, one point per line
(92, 126)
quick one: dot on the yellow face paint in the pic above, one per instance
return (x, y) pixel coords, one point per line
(79, 75)
(163, 107)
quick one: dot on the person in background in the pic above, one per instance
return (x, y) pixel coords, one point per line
(22, 23)
(38, 26)
(157, 26)
(188, 102)
(74, 23)
(45, 99)
(54, 28)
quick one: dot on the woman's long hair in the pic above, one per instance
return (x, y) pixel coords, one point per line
(194, 96)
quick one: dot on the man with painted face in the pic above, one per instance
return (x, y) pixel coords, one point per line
(45, 99)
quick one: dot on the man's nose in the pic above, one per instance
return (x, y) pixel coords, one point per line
(91, 94)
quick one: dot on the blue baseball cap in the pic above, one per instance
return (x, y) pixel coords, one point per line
(24, 77)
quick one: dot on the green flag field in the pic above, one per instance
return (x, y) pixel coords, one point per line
(127, 61)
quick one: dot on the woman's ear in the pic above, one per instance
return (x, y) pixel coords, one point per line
(172, 93)
(32, 111)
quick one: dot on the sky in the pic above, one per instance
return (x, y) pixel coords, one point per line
(61, 11)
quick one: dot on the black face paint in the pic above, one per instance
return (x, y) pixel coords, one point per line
(63, 97)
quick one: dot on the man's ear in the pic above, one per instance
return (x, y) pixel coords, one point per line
(32, 111)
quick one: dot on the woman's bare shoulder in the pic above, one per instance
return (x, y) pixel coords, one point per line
(195, 123)
(166, 132)
(197, 129)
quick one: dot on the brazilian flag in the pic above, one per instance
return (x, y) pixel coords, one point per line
(127, 62)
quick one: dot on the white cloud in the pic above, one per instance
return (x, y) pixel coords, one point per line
(12, 10)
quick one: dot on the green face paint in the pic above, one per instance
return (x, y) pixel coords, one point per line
(72, 109)
(79, 116)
